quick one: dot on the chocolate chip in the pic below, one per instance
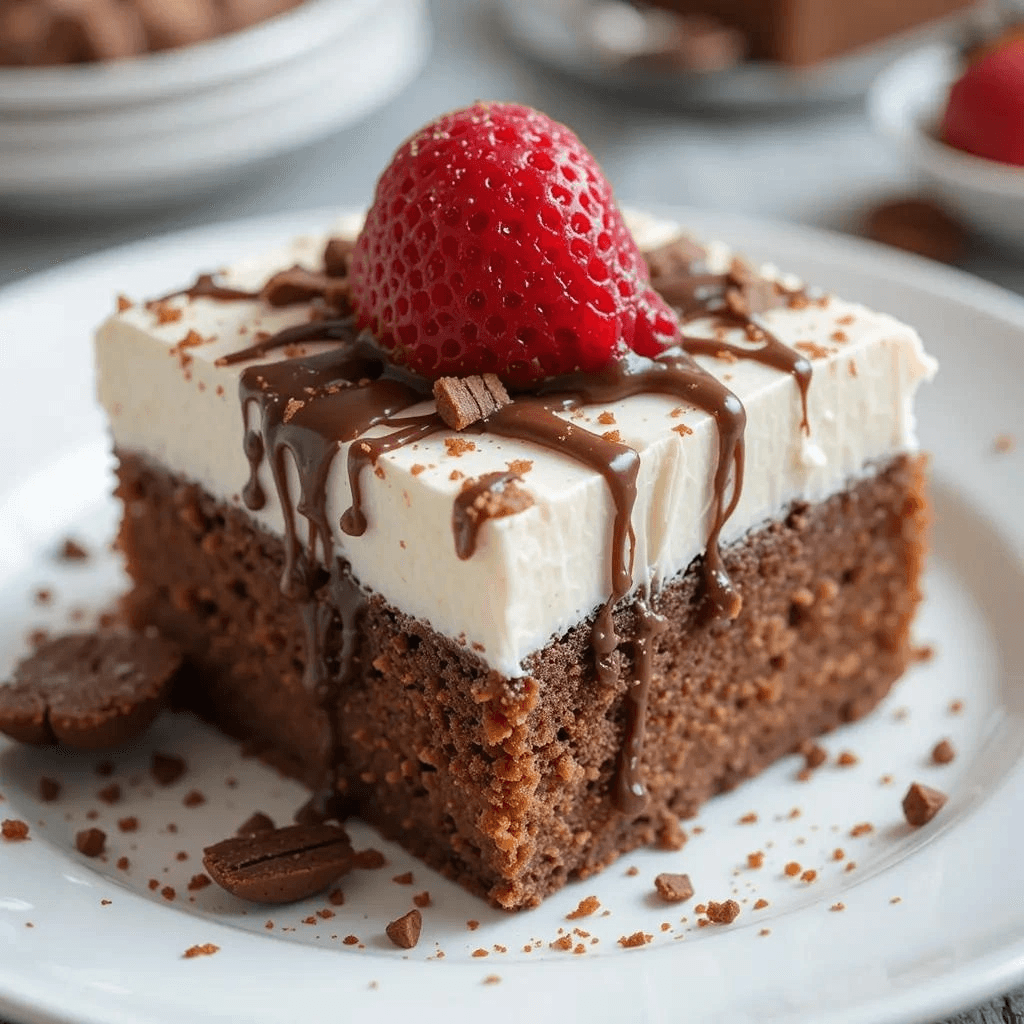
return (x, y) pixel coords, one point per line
(282, 866)
(166, 769)
(337, 257)
(673, 888)
(256, 823)
(49, 790)
(405, 932)
(922, 803)
(943, 752)
(462, 401)
(72, 551)
(91, 842)
(88, 691)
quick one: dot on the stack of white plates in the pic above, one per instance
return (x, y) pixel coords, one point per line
(166, 125)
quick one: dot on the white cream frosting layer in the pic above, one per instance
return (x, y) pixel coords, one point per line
(543, 570)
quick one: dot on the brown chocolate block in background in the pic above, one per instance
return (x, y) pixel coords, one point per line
(506, 785)
(805, 32)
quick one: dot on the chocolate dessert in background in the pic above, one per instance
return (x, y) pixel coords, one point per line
(805, 32)
(39, 33)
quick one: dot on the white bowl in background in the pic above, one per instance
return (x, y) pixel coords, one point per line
(163, 126)
(906, 104)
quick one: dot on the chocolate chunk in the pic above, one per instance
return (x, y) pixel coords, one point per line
(338, 257)
(282, 866)
(462, 401)
(814, 755)
(405, 932)
(922, 803)
(49, 790)
(918, 225)
(748, 293)
(295, 285)
(166, 769)
(673, 888)
(89, 691)
(91, 842)
(943, 752)
(256, 823)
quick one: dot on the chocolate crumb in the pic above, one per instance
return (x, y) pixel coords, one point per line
(472, 925)
(755, 860)
(336, 898)
(761, 904)
(809, 876)
(943, 752)
(851, 866)
(634, 940)
(206, 949)
(256, 823)
(723, 913)
(922, 803)
(166, 769)
(896, 899)
(72, 551)
(587, 906)
(458, 446)
(462, 401)
(863, 829)
(153, 885)
(13, 830)
(123, 864)
(168, 893)
(91, 842)
(1004, 444)
(110, 794)
(43, 595)
(838, 853)
(480, 952)
(837, 907)
(955, 707)
(405, 879)
(49, 790)
(564, 944)
(129, 824)
(181, 855)
(422, 899)
(673, 888)
(193, 798)
(492, 979)
(632, 872)
(750, 818)
(815, 756)
(350, 940)
(792, 869)
(847, 759)
(369, 860)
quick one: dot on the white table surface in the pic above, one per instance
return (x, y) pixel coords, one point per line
(822, 168)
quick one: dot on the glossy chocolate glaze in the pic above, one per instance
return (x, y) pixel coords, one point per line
(303, 409)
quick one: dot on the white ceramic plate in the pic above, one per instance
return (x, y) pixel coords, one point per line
(906, 103)
(932, 919)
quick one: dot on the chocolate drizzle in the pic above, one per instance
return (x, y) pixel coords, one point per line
(206, 287)
(307, 407)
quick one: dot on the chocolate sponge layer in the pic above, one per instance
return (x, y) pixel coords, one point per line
(504, 784)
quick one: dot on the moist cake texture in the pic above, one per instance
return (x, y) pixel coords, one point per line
(687, 540)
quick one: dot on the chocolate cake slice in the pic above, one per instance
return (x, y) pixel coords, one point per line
(523, 647)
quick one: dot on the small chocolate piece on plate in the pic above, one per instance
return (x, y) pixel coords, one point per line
(88, 691)
(282, 866)
(922, 803)
(462, 401)
(166, 769)
(673, 888)
(943, 752)
(91, 842)
(405, 932)
(256, 823)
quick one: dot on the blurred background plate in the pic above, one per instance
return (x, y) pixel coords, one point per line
(167, 126)
(560, 34)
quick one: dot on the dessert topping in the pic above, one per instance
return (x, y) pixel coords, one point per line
(494, 245)
(922, 803)
(89, 691)
(284, 865)
(463, 401)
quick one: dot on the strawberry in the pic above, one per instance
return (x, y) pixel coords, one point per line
(494, 245)
(985, 114)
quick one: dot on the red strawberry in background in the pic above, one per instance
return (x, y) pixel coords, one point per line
(985, 114)
(494, 245)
